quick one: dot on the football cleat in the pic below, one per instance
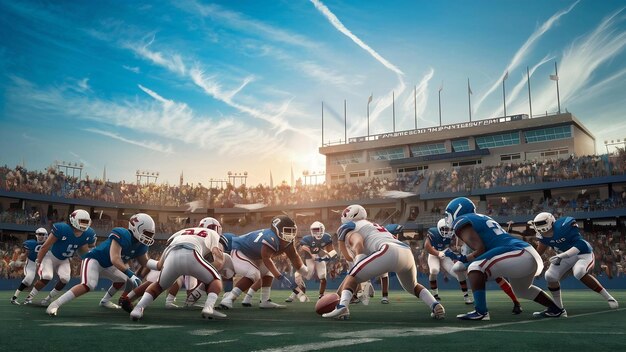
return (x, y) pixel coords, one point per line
(246, 304)
(437, 297)
(551, 313)
(226, 303)
(109, 305)
(45, 302)
(474, 315)
(136, 314)
(384, 300)
(270, 305)
(289, 299)
(438, 311)
(517, 309)
(28, 301)
(14, 301)
(125, 304)
(302, 297)
(612, 303)
(339, 313)
(468, 300)
(210, 313)
(52, 310)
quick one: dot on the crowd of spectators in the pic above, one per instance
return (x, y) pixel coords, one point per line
(465, 179)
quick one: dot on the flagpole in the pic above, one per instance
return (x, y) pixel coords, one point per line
(558, 96)
(369, 100)
(440, 104)
(345, 122)
(322, 123)
(394, 110)
(415, 104)
(469, 99)
(530, 102)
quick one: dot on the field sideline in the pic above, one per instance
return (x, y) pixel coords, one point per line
(404, 324)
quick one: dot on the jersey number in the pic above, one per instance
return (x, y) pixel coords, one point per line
(258, 237)
(495, 227)
(201, 233)
(69, 252)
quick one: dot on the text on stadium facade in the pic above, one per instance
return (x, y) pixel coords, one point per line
(455, 126)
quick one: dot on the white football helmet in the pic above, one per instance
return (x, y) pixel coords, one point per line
(142, 227)
(211, 223)
(41, 234)
(317, 230)
(353, 213)
(543, 222)
(443, 228)
(80, 219)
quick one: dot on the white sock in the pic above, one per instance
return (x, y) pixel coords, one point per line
(33, 293)
(556, 296)
(131, 295)
(292, 295)
(434, 291)
(211, 298)
(265, 293)
(66, 297)
(346, 296)
(427, 297)
(145, 301)
(249, 295)
(236, 292)
(606, 294)
(17, 293)
(53, 293)
(170, 298)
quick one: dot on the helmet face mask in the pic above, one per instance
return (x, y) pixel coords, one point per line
(41, 234)
(542, 223)
(317, 230)
(353, 212)
(212, 224)
(444, 229)
(80, 220)
(143, 228)
(284, 227)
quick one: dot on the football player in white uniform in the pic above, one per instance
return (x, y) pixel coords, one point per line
(376, 252)
(30, 268)
(195, 252)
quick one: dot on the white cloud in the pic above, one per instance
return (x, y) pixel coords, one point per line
(144, 144)
(134, 69)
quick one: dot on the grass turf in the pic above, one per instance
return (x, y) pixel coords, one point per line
(405, 324)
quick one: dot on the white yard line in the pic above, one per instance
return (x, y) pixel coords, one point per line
(319, 345)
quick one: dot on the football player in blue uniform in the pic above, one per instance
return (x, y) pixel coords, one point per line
(54, 255)
(575, 255)
(495, 254)
(30, 268)
(109, 259)
(252, 256)
(436, 242)
(318, 249)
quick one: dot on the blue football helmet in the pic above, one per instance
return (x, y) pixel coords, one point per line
(457, 207)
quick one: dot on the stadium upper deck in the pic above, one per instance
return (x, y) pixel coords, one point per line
(516, 138)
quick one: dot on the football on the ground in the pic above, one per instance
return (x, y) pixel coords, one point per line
(327, 303)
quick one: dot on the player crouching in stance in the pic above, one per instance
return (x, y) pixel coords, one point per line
(495, 254)
(30, 268)
(376, 252)
(252, 255)
(195, 252)
(109, 259)
(575, 256)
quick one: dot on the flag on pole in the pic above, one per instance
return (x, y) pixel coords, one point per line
(554, 77)
(369, 100)
(506, 75)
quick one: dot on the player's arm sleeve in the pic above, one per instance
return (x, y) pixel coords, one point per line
(344, 230)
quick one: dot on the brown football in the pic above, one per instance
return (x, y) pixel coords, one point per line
(327, 303)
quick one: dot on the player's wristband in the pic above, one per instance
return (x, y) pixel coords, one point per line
(129, 272)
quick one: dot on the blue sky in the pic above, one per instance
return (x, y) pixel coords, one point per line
(205, 87)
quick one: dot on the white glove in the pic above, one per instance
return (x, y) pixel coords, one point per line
(441, 255)
(135, 281)
(556, 260)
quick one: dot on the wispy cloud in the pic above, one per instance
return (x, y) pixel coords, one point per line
(523, 51)
(133, 69)
(144, 144)
(83, 161)
(172, 62)
(83, 84)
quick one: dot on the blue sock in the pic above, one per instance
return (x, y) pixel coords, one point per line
(480, 301)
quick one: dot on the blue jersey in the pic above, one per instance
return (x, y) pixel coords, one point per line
(439, 242)
(67, 243)
(251, 243)
(394, 229)
(33, 248)
(316, 245)
(229, 237)
(131, 248)
(565, 236)
(495, 240)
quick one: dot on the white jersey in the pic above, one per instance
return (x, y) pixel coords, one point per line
(374, 235)
(199, 239)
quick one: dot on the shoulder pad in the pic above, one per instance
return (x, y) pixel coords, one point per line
(344, 229)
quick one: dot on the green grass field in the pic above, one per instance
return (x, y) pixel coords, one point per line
(405, 324)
